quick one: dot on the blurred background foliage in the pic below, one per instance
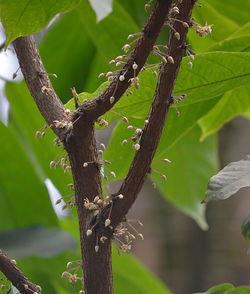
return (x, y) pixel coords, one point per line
(187, 259)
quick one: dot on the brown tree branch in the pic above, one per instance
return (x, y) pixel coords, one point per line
(38, 82)
(16, 277)
(81, 147)
(100, 105)
(140, 166)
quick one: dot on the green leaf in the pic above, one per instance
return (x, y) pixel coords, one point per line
(239, 290)
(233, 103)
(22, 18)
(229, 180)
(109, 35)
(219, 289)
(71, 63)
(133, 278)
(245, 228)
(23, 196)
(212, 75)
(37, 241)
(192, 165)
(236, 44)
(25, 120)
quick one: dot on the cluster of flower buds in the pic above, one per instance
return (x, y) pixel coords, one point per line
(202, 31)
(41, 133)
(125, 234)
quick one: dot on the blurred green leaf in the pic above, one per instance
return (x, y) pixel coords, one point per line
(110, 35)
(219, 289)
(23, 197)
(68, 53)
(239, 290)
(133, 278)
(192, 165)
(22, 18)
(37, 241)
(229, 180)
(233, 103)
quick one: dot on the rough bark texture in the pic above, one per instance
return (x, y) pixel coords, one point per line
(37, 81)
(15, 276)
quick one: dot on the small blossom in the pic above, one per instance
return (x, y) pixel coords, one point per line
(141, 236)
(177, 35)
(89, 232)
(164, 177)
(134, 66)
(52, 164)
(96, 248)
(107, 222)
(120, 196)
(203, 30)
(85, 164)
(67, 111)
(126, 48)
(125, 119)
(138, 131)
(167, 160)
(121, 78)
(124, 142)
(190, 64)
(103, 239)
(58, 201)
(170, 59)
(112, 99)
(137, 146)
(65, 274)
(38, 134)
(175, 10)
(69, 264)
(113, 174)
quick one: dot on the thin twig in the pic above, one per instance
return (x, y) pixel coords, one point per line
(16, 276)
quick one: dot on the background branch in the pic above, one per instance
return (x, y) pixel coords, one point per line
(15, 276)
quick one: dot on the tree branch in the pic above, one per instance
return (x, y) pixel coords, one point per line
(140, 166)
(38, 82)
(16, 277)
(100, 105)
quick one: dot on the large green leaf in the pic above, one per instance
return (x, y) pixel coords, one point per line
(132, 277)
(229, 180)
(192, 165)
(233, 103)
(25, 120)
(111, 34)
(71, 57)
(22, 18)
(23, 196)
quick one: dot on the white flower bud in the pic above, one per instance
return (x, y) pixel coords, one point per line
(121, 78)
(124, 142)
(69, 264)
(170, 59)
(85, 164)
(120, 196)
(134, 66)
(185, 24)
(107, 222)
(167, 160)
(89, 232)
(137, 146)
(190, 64)
(96, 248)
(177, 35)
(112, 99)
(164, 177)
(113, 174)
(126, 47)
